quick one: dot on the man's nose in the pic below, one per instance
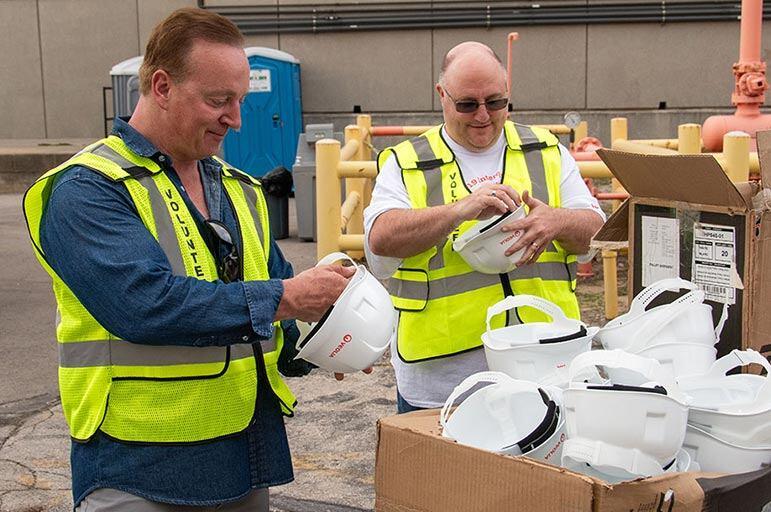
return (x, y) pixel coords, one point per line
(232, 117)
(481, 113)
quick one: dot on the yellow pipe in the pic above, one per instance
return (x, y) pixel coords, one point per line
(356, 169)
(364, 122)
(689, 139)
(610, 282)
(594, 169)
(327, 197)
(645, 149)
(350, 243)
(354, 222)
(351, 147)
(556, 129)
(581, 131)
(736, 147)
(661, 143)
(754, 161)
(618, 130)
(348, 209)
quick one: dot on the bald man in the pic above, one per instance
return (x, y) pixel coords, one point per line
(432, 188)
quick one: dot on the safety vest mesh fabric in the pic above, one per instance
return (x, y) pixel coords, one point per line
(442, 301)
(155, 393)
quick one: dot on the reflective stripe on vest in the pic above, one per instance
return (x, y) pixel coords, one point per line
(160, 394)
(442, 301)
(111, 352)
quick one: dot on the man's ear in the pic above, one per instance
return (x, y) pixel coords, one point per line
(160, 88)
(439, 90)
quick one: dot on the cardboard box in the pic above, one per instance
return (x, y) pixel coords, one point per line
(417, 470)
(686, 218)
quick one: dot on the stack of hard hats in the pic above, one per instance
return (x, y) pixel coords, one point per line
(679, 335)
(483, 245)
(356, 330)
(617, 431)
(509, 416)
(729, 423)
(535, 351)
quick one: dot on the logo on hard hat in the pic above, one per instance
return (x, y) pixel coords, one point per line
(511, 237)
(347, 338)
(555, 447)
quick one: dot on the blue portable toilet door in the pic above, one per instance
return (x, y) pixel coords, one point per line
(259, 146)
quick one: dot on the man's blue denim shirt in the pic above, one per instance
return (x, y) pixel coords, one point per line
(95, 241)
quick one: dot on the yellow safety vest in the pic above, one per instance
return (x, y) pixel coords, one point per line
(442, 301)
(159, 394)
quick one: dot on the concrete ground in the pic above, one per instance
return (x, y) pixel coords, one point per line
(332, 437)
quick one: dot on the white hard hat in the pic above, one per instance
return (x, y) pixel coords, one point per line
(733, 408)
(508, 416)
(356, 330)
(687, 319)
(678, 358)
(715, 454)
(535, 351)
(649, 419)
(613, 464)
(483, 246)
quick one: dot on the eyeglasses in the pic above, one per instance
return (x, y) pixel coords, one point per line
(469, 106)
(230, 267)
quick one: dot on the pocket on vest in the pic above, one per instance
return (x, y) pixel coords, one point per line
(182, 410)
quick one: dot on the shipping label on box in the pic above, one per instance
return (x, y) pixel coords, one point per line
(713, 265)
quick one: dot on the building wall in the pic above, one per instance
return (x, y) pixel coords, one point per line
(57, 55)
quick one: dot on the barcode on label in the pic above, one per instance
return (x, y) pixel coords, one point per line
(719, 293)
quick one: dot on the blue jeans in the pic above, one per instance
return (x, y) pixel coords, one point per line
(403, 405)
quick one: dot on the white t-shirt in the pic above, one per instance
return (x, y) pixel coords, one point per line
(429, 383)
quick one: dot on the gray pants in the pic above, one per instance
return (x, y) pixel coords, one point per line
(102, 500)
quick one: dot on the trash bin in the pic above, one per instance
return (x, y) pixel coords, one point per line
(277, 184)
(125, 86)
(271, 116)
(304, 174)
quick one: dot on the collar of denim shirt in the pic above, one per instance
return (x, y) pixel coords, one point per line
(141, 146)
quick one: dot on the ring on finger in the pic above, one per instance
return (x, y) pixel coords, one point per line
(492, 193)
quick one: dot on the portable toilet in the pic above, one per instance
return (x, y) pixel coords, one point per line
(125, 86)
(271, 116)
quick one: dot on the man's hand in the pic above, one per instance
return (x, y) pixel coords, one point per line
(309, 294)
(542, 225)
(486, 201)
(341, 376)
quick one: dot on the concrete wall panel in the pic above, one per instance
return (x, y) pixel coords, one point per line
(267, 40)
(152, 12)
(548, 63)
(21, 88)
(81, 41)
(380, 71)
(640, 65)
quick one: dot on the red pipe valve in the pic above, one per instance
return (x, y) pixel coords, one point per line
(750, 82)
